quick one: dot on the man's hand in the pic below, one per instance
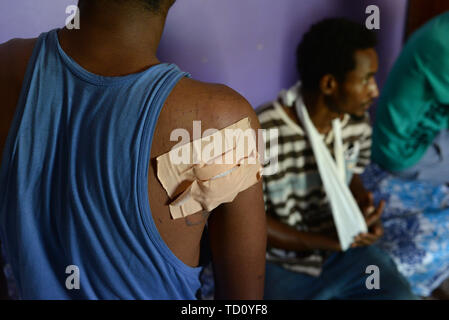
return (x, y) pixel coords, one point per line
(364, 198)
(365, 201)
(375, 229)
(372, 215)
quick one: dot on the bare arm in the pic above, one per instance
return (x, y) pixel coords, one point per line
(238, 243)
(238, 230)
(285, 237)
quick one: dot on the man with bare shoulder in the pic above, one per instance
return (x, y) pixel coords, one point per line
(86, 210)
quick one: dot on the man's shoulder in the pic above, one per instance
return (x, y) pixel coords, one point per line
(14, 56)
(216, 105)
(194, 104)
(207, 92)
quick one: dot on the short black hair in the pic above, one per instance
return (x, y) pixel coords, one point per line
(328, 48)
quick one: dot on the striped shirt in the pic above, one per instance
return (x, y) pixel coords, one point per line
(294, 193)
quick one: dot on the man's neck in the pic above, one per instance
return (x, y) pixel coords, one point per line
(114, 39)
(319, 113)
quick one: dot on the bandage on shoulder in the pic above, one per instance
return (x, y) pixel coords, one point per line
(211, 171)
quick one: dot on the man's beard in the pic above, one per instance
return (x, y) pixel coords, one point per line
(357, 117)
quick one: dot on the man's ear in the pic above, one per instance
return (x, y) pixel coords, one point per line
(328, 84)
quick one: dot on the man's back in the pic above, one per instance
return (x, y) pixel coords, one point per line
(190, 100)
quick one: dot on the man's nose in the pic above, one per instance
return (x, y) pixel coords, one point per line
(374, 89)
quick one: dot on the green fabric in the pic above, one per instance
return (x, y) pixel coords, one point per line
(414, 104)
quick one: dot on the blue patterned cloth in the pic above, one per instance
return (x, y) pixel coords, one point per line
(416, 224)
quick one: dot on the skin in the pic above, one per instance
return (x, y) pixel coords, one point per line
(333, 99)
(122, 38)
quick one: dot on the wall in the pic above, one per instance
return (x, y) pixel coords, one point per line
(246, 44)
(28, 18)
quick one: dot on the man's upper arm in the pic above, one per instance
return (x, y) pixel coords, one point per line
(14, 56)
(238, 229)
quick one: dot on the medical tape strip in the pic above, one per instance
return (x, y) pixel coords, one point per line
(205, 181)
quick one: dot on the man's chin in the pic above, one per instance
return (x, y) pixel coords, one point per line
(363, 111)
(358, 115)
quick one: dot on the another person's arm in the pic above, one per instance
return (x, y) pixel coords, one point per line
(283, 236)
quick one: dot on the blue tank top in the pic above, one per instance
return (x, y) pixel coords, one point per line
(73, 184)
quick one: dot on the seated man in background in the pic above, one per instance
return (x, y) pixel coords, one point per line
(411, 131)
(337, 63)
(85, 113)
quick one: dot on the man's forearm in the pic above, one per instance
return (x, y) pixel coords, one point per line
(285, 237)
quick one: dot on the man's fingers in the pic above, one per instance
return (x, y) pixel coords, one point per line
(364, 239)
(376, 215)
(381, 206)
(368, 204)
(378, 230)
(372, 219)
(361, 244)
(370, 197)
(369, 211)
